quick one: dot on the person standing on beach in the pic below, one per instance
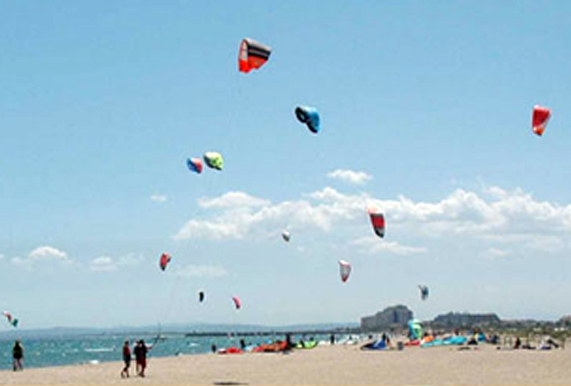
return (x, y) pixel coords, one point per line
(18, 356)
(141, 357)
(137, 352)
(126, 359)
(289, 342)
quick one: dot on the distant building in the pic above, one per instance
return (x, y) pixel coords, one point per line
(455, 319)
(565, 321)
(392, 317)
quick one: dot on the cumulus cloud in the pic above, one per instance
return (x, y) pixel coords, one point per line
(208, 271)
(350, 176)
(103, 264)
(375, 245)
(42, 255)
(233, 200)
(321, 210)
(110, 264)
(46, 253)
(160, 198)
(494, 215)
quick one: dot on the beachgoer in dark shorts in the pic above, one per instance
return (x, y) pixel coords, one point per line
(126, 359)
(18, 356)
(141, 357)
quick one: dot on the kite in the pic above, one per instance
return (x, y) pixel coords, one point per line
(539, 119)
(344, 270)
(415, 329)
(377, 220)
(252, 55)
(237, 302)
(214, 160)
(194, 165)
(309, 116)
(164, 261)
(11, 319)
(423, 291)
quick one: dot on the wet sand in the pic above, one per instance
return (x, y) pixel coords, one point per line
(326, 365)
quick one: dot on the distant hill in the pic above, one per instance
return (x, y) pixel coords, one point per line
(456, 319)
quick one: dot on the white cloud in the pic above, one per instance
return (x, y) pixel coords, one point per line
(129, 260)
(260, 215)
(233, 200)
(203, 229)
(47, 253)
(494, 215)
(2, 257)
(103, 264)
(375, 245)
(209, 271)
(110, 264)
(350, 176)
(160, 198)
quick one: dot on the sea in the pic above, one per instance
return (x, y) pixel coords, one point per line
(47, 351)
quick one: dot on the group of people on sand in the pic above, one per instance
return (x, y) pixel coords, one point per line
(546, 344)
(140, 351)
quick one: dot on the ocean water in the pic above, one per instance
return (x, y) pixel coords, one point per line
(97, 348)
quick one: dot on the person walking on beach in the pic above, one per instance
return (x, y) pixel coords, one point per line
(18, 356)
(126, 359)
(141, 357)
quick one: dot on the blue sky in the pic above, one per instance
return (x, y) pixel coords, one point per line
(425, 111)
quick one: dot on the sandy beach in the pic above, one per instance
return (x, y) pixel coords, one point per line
(337, 365)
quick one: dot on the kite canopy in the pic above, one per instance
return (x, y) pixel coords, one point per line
(344, 270)
(377, 220)
(309, 116)
(200, 296)
(214, 160)
(164, 261)
(423, 291)
(539, 119)
(194, 165)
(237, 302)
(11, 319)
(252, 55)
(286, 236)
(415, 329)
